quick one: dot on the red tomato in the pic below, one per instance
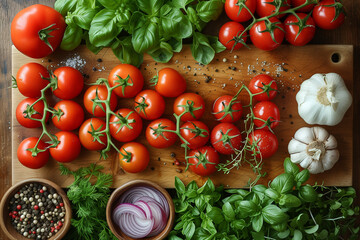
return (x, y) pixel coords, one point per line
(232, 9)
(149, 104)
(25, 156)
(292, 31)
(196, 133)
(193, 102)
(126, 126)
(70, 82)
(134, 157)
(261, 83)
(297, 3)
(29, 79)
(228, 35)
(129, 79)
(37, 31)
(36, 112)
(226, 112)
(99, 92)
(68, 116)
(267, 143)
(203, 161)
(169, 83)
(88, 133)
(266, 7)
(225, 137)
(267, 111)
(158, 138)
(327, 17)
(263, 40)
(68, 148)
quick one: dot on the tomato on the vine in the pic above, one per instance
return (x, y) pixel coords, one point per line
(196, 133)
(25, 156)
(268, 112)
(267, 7)
(98, 92)
(266, 141)
(133, 157)
(89, 134)
(229, 35)
(225, 138)
(126, 125)
(129, 79)
(263, 83)
(70, 82)
(149, 104)
(329, 14)
(306, 9)
(262, 38)
(169, 83)
(232, 9)
(68, 115)
(192, 102)
(203, 161)
(37, 31)
(37, 112)
(30, 79)
(224, 111)
(157, 137)
(299, 33)
(68, 149)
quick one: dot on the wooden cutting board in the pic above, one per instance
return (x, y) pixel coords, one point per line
(289, 65)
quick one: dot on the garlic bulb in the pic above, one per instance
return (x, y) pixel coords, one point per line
(323, 99)
(314, 148)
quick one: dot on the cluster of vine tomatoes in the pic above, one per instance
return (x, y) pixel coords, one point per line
(268, 31)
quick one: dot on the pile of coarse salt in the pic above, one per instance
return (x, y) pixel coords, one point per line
(76, 62)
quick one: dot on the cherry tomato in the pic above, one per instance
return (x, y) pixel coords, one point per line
(34, 29)
(88, 135)
(149, 104)
(30, 79)
(261, 83)
(225, 137)
(98, 92)
(267, 143)
(292, 31)
(129, 78)
(196, 133)
(134, 157)
(126, 126)
(25, 156)
(232, 9)
(327, 17)
(195, 104)
(37, 112)
(263, 40)
(226, 112)
(70, 82)
(267, 111)
(266, 7)
(68, 149)
(297, 3)
(68, 116)
(228, 35)
(203, 161)
(169, 83)
(158, 138)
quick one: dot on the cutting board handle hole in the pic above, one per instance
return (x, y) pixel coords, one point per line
(335, 57)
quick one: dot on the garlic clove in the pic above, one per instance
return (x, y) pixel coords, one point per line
(316, 167)
(296, 146)
(330, 158)
(330, 143)
(306, 162)
(305, 135)
(298, 157)
(320, 134)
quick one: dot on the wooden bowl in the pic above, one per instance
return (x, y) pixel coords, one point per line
(5, 221)
(112, 203)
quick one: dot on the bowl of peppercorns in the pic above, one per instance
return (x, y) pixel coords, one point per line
(35, 209)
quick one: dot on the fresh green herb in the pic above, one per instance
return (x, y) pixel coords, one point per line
(88, 202)
(287, 209)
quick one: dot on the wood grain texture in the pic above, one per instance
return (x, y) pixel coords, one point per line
(289, 66)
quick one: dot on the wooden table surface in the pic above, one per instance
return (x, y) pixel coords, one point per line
(348, 33)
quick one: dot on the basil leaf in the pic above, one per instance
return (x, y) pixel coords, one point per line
(238, 224)
(216, 215)
(297, 235)
(103, 28)
(291, 167)
(163, 53)
(302, 219)
(302, 176)
(65, 6)
(200, 203)
(145, 34)
(83, 17)
(201, 49)
(189, 230)
(192, 186)
(176, 44)
(257, 223)
(273, 215)
(72, 38)
(174, 23)
(125, 52)
(151, 7)
(181, 3)
(312, 230)
(258, 235)
(284, 234)
(271, 193)
(110, 4)
(209, 10)
(208, 225)
(89, 45)
(229, 212)
(308, 194)
(194, 19)
(289, 201)
(207, 188)
(280, 227)
(247, 208)
(179, 186)
(86, 3)
(216, 44)
(283, 183)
